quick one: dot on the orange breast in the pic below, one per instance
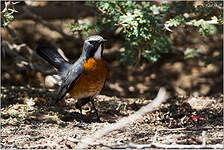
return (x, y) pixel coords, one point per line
(91, 81)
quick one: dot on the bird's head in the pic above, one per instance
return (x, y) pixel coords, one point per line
(93, 47)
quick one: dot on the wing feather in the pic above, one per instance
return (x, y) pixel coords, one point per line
(69, 81)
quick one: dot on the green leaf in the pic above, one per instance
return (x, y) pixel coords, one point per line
(155, 9)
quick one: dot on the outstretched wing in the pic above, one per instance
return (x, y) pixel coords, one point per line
(69, 80)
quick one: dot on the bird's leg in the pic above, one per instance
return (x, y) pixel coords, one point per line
(81, 116)
(81, 102)
(79, 105)
(96, 111)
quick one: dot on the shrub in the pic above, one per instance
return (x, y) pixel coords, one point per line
(144, 25)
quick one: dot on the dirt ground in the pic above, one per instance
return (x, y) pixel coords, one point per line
(31, 120)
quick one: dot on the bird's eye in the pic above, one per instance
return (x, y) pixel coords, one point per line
(93, 42)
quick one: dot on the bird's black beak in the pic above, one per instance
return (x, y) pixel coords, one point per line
(104, 40)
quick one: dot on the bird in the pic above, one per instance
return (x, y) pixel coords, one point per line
(83, 79)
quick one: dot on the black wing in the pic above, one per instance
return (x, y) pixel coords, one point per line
(51, 55)
(69, 80)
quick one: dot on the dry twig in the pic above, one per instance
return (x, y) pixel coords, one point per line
(154, 144)
(89, 140)
(172, 146)
(8, 5)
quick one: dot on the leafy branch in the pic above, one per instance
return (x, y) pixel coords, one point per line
(141, 25)
(7, 13)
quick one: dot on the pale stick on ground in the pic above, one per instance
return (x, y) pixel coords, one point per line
(90, 139)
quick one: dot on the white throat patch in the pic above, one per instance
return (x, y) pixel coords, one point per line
(97, 54)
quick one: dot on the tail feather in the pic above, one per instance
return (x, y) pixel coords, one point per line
(51, 55)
